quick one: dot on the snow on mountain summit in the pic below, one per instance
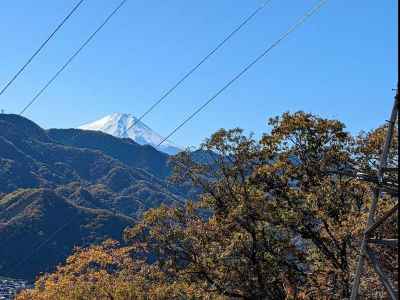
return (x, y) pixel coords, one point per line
(120, 125)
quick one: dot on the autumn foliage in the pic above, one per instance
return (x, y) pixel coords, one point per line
(278, 218)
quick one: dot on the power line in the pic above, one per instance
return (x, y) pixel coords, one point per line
(73, 56)
(300, 22)
(41, 47)
(202, 61)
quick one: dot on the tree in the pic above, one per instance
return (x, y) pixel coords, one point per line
(279, 218)
(224, 242)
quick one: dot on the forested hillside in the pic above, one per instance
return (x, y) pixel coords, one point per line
(48, 177)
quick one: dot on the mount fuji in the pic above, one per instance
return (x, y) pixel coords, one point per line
(120, 125)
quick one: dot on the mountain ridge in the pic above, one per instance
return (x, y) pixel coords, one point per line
(46, 175)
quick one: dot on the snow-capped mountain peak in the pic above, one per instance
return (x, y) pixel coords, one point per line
(127, 126)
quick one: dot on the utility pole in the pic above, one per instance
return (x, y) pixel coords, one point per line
(373, 224)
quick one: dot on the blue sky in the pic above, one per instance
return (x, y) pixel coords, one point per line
(340, 64)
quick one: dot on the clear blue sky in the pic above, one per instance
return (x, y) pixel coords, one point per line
(340, 64)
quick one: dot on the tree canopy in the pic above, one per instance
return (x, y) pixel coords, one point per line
(277, 218)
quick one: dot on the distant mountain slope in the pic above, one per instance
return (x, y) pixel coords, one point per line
(125, 150)
(120, 125)
(29, 217)
(47, 176)
(31, 157)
